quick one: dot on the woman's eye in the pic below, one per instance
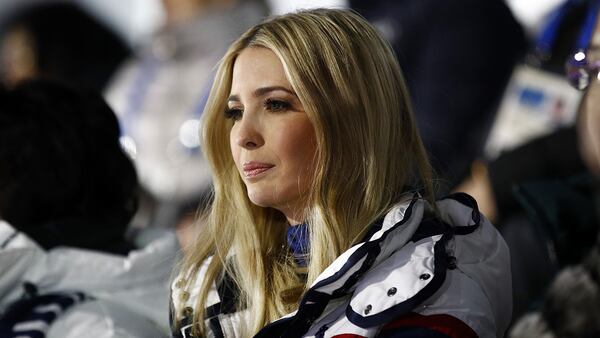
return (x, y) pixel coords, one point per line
(276, 105)
(233, 113)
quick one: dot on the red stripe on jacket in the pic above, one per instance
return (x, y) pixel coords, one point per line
(446, 324)
(442, 323)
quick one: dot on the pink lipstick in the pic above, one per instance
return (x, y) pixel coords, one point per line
(253, 169)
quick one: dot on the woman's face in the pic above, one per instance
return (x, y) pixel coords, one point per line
(272, 140)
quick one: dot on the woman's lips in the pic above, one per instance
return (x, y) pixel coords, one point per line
(253, 169)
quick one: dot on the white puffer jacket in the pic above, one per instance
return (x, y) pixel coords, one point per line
(412, 267)
(129, 294)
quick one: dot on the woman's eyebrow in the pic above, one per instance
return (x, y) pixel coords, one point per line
(262, 91)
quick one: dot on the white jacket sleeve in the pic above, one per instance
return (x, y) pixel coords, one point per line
(17, 254)
(103, 319)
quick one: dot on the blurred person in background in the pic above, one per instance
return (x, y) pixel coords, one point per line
(67, 194)
(160, 94)
(60, 41)
(553, 155)
(457, 57)
(544, 194)
(571, 307)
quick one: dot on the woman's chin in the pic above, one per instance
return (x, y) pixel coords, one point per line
(259, 199)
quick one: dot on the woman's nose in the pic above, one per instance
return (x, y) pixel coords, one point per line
(247, 132)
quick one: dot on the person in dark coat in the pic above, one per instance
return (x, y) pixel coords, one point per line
(457, 57)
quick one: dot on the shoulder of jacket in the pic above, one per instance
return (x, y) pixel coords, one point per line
(412, 274)
(100, 318)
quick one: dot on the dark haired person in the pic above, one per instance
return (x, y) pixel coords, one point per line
(67, 195)
(457, 57)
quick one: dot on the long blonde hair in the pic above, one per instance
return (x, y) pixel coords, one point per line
(368, 154)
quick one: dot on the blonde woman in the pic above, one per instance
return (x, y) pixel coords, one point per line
(318, 226)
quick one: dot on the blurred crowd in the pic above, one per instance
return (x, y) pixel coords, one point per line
(102, 173)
